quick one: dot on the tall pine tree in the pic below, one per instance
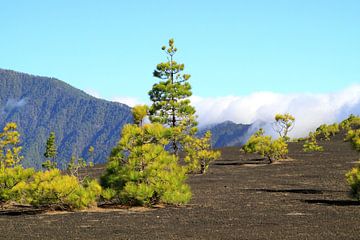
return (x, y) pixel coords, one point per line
(171, 105)
(50, 152)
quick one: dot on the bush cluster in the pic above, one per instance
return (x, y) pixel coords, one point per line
(47, 188)
(266, 146)
(40, 188)
(325, 131)
(311, 144)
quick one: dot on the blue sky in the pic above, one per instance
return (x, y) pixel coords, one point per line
(229, 47)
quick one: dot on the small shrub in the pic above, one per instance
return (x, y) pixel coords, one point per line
(198, 153)
(266, 147)
(351, 123)
(12, 183)
(311, 144)
(353, 179)
(327, 131)
(47, 188)
(354, 137)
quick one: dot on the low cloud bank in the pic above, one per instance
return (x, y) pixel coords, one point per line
(12, 104)
(310, 110)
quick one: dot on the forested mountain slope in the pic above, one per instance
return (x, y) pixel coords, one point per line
(40, 105)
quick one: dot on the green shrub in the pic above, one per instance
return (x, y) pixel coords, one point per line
(354, 137)
(327, 131)
(353, 179)
(12, 183)
(351, 123)
(53, 188)
(26, 186)
(311, 144)
(266, 146)
(141, 172)
(198, 153)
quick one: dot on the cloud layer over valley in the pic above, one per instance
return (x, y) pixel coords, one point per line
(310, 110)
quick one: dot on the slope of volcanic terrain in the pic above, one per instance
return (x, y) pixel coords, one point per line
(305, 197)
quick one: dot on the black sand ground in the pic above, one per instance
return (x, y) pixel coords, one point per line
(239, 198)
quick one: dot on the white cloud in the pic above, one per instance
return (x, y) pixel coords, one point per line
(92, 92)
(310, 110)
(130, 101)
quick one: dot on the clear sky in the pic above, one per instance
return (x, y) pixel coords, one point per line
(230, 47)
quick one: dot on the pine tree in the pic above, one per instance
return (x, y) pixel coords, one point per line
(171, 105)
(50, 152)
(9, 149)
(140, 170)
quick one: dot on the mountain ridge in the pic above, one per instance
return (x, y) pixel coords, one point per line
(41, 104)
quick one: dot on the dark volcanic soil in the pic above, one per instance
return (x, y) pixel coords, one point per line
(239, 198)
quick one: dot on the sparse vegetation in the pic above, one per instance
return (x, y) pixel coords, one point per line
(352, 122)
(354, 137)
(198, 153)
(325, 131)
(311, 144)
(284, 123)
(353, 179)
(266, 146)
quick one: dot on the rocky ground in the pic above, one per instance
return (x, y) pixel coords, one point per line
(241, 197)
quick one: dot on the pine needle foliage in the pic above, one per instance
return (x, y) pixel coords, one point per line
(50, 152)
(170, 98)
(9, 146)
(141, 172)
(198, 153)
(40, 188)
(311, 144)
(267, 147)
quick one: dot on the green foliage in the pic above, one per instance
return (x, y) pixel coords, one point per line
(199, 154)
(311, 144)
(284, 123)
(12, 181)
(141, 172)
(51, 150)
(48, 164)
(266, 146)
(76, 164)
(170, 97)
(325, 131)
(50, 153)
(52, 188)
(354, 137)
(139, 113)
(353, 179)
(9, 149)
(352, 122)
(47, 188)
